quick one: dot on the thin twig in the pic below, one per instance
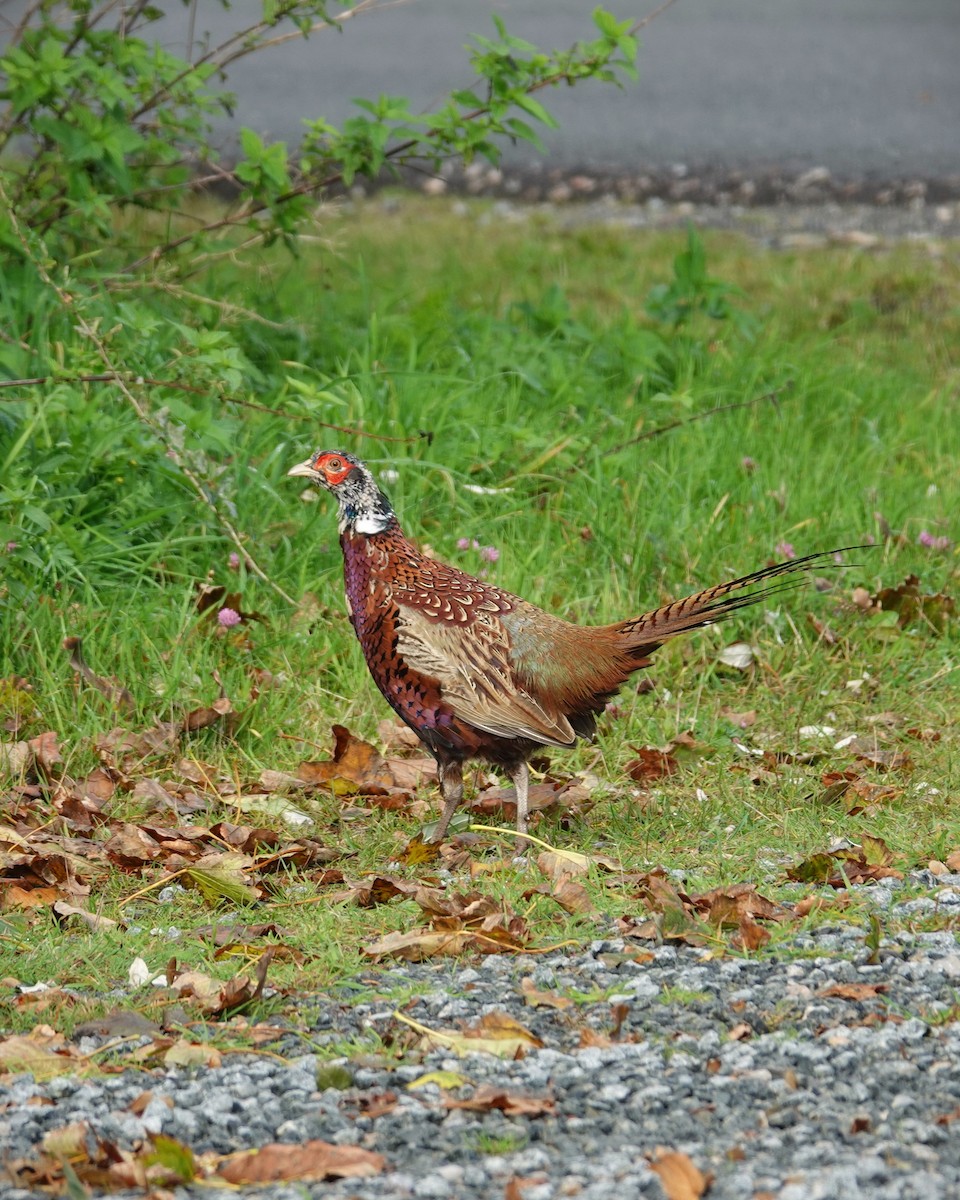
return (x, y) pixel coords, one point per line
(638, 25)
(773, 396)
(146, 417)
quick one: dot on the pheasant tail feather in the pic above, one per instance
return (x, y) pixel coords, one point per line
(645, 633)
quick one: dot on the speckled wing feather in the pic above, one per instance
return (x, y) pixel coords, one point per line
(471, 660)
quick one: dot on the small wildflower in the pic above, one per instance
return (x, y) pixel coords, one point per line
(785, 550)
(931, 542)
(233, 562)
(11, 546)
(227, 617)
(748, 464)
(463, 543)
(489, 553)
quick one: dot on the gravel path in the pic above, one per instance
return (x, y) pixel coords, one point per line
(771, 1072)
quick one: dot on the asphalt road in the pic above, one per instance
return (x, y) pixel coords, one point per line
(863, 87)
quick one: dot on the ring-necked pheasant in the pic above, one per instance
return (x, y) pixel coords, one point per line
(475, 671)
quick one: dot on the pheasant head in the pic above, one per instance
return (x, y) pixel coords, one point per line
(363, 507)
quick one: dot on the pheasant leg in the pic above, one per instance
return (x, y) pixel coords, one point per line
(451, 789)
(520, 776)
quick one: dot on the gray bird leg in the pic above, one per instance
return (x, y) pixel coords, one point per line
(520, 775)
(451, 789)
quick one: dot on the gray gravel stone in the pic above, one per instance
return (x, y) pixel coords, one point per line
(749, 1065)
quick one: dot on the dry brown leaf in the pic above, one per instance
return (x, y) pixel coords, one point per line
(681, 1179)
(535, 998)
(558, 864)
(201, 718)
(354, 761)
(128, 747)
(912, 605)
(183, 1053)
(376, 889)
(13, 896)
(489, 1097)
(311, 1160)
(111, 689)
(395, 735)
(813, 903)
(42, 1052)
(651, 764)
(856, 864)
(496, 1033)
(46, 753)
(15, 758)
(421, 944)
(854, 991)
(742, 720)
(93, 921)
(572, 897)
(66, 1141)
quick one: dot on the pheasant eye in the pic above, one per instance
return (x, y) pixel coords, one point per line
(334, 464)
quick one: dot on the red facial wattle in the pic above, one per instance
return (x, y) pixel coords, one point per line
(333, 468)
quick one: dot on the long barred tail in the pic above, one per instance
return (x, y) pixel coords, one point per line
(645, 633)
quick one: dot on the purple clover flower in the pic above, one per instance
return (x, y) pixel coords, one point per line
(785, 550)
(489, 554)
(228, 617)
(933, 542)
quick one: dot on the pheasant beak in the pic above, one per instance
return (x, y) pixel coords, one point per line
(307, 470)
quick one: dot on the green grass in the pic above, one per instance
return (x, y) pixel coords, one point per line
(525, 351)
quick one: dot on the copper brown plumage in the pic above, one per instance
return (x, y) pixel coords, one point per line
(475, 671)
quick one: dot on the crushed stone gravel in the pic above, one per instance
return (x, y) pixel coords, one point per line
(771, 1071)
